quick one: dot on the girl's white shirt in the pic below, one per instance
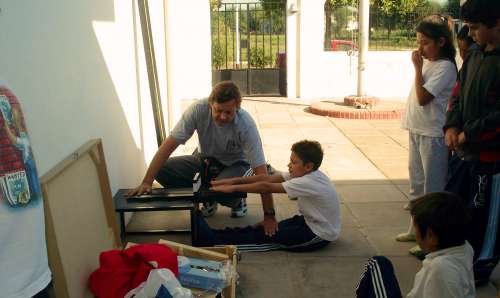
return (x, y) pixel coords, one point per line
(439, 78)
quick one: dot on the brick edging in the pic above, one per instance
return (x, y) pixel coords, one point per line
(356, 114)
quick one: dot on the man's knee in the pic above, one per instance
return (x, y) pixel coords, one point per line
(178, 171)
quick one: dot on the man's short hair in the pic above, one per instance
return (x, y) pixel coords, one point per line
(225, 91)
(309, 151)
(486, 12)
(443, 212)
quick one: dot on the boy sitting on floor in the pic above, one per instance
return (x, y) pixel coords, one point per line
(440, 220)
(318, 223)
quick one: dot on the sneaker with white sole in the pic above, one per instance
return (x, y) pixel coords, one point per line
(418, 252)
(208, 209)
(405, 237)
(407, 206)
(241, 209)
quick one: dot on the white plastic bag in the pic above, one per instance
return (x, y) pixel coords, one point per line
(156, 279)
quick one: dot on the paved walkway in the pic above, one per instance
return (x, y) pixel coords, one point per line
(367, 161)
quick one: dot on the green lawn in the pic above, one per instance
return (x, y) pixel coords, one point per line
(270, 45)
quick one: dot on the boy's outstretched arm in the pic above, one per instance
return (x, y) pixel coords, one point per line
(248, 179)
(255, 187)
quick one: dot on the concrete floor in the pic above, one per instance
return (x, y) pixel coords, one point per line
(367, 161)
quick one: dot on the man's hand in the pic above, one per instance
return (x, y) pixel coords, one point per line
(140, 190)
(461, 138)
(270, 225)
(223, 188)
(451, 138)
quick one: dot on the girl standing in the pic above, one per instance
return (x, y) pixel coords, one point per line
(435, 76)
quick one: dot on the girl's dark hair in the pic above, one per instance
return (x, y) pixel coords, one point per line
(225, 91)
(443, 212)
(438, 26)
(309, 151)
(463, 35)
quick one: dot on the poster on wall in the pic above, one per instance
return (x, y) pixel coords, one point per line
(19, 183)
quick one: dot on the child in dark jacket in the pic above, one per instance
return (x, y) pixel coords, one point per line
(472, 130)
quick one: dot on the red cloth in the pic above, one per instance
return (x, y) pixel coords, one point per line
(123, 270)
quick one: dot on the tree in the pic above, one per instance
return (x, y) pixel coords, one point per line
(395, 10)
(330, 6)
(275, 10)
(214, 4)
(453, 7)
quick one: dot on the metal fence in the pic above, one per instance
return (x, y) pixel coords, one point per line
(249, 46)
(387, 32)
(248, 35)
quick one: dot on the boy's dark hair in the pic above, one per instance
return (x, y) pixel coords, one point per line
(463, 34)
(438, 26)
(309, 151)
(225, 91)
(443, 212)
(486, 12)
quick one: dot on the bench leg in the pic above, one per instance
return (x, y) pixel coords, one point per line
(122, 227)
(194, 229)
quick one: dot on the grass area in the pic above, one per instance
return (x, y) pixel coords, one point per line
(265, 47)
(270, 46)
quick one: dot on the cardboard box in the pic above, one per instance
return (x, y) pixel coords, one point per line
(223, 253)
(203, 273)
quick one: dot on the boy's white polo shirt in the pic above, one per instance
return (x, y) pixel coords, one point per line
(446, 273)
(317, 202)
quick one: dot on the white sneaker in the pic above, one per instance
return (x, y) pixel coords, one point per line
(405, 237)
(407, 206)
(241, 209)
(208, 209)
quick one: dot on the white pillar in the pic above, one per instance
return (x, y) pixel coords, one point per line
(364, 24)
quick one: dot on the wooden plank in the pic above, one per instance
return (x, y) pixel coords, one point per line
(195, 252)
(80, 219)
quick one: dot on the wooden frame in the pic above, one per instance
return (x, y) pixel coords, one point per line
(80, 218)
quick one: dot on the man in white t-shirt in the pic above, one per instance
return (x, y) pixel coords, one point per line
(318, 223)
(24, 269)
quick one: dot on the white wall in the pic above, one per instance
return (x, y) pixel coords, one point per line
(334, 74)
(188, 51)
(77, 69)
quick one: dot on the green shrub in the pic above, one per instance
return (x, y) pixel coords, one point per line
(258, 59)
(217, 56)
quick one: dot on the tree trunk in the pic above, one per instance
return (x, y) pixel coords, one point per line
(328, 29)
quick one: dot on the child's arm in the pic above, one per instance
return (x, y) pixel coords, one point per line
(423, 96)
(255, 187)
(276, 178)
(453, 119)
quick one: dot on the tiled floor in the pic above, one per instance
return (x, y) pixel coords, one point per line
(367, 160)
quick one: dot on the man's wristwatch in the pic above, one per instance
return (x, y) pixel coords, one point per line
(269, 212)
